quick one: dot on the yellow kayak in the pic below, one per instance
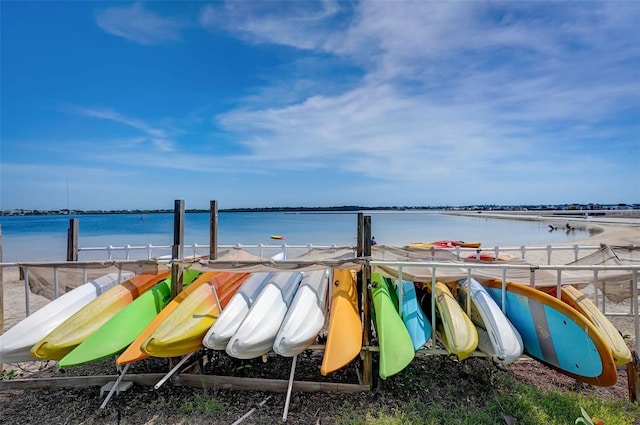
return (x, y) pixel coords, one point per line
(182, 331)
(580, 302)
(457, 331)
(64, 338)
(344, 336)
(133, 352)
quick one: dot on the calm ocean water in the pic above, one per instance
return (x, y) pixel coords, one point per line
(33, 238)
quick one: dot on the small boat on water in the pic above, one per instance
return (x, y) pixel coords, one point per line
(278, 237)
(446, 244)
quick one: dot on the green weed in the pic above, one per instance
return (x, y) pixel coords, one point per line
(203, 403)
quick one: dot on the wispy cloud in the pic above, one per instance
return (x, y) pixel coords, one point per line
(137, 24)
(276, 22)
(443, 84)
(159, 137)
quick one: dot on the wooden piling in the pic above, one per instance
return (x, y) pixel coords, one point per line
(367, 364)
(633, 378)
(177, 247)
(213, 230)
(363, 249)
(72, 240)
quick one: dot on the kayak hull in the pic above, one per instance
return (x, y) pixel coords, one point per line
(257, 332)
(396, 347)
(306, 316)
(119, 331)
(344, 334)
(16, 343)
(182, 331)
(65, 337)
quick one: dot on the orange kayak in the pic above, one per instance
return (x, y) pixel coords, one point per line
(344, 337)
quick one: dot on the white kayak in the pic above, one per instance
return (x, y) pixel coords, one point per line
(258, 330)
(234, 313)
(306, 316)
(16, 343)
(497, 337)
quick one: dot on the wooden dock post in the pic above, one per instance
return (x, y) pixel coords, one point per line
(633, 378)
(368, 355)
(213, 230)
(177, 248)
(363, 278)
(72, 240)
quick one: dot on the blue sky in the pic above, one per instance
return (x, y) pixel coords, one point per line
(117, 105)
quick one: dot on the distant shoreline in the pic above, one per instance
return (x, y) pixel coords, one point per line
(623, 210)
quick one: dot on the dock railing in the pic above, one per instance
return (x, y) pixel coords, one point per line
(149, 251)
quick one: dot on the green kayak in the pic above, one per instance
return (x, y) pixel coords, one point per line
(122, 329)
(396, 347)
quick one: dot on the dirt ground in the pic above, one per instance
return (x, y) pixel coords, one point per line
(430, 375)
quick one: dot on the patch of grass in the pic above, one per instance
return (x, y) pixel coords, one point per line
(7, 374)
(470, 393)
(203, 403)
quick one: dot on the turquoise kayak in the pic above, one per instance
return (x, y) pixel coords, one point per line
(117, 333)
(413, 316)
(396, 346)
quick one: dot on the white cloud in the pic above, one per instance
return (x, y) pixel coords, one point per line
(303, 25)
(137, 24)
(443, 84)
(159, 137)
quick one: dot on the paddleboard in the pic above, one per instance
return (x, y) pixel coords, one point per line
(457, 331)
(218, 336)
(344, 334)
(413, 316)
(580, 302)
(497, 337)
(16, 343)
(121, 329)
(395, 344)
(68, 335)
(555, 334)
(258, 330)
(182, 332)
(306, 315)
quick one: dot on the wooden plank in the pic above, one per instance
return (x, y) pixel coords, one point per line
(259, 384)
(77, 381)
(185, 379)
